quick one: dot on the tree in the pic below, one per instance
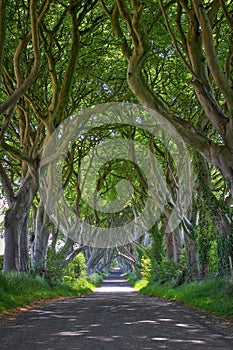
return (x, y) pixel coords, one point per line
(194, 43)
(65, 57)
(35, 107)
(197, 36)
(50, 76)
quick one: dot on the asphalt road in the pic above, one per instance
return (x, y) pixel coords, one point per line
(115, 317)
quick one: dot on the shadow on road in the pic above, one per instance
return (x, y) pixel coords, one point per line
(115, 317)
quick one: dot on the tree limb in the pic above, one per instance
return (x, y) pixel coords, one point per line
(227, 14)
(211, 55)
(8, 189)
(8, 105)
(2, 33)
(128, 258)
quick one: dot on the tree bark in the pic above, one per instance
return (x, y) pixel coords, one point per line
(177, 244)
(2, 34)
(191, 257)
(40, 244)
(14, 225)
(24, 255)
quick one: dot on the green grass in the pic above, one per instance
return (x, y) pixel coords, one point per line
(18, 289)
(214, 295)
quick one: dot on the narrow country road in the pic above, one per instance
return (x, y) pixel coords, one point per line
(115, 317)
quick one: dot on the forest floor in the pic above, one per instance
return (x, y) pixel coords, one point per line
(114, 317)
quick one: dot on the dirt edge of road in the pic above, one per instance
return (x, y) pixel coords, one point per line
(11, 314)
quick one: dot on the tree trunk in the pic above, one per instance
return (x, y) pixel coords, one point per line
(40, 244)
(12, 228)
(169, 240)
(177, 244)
(24, 256)
(15, 225)
(93, 257)
(191, 257)
(225, 245)
(169, 245)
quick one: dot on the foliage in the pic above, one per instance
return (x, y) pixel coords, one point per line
(146, 266)
(223, 247)
(54, 270)
(155, 266)
(165, 271)
(141, 256)
(95, 278)
(58, 271)
(157, 248)
(134, 279)
(205, 241)
(17, 289)
(76, 269)
(185, 76)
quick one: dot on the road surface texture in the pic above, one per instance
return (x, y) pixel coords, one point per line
(115, 317)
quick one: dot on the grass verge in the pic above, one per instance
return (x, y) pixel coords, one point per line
(214, 295)
(18, 289)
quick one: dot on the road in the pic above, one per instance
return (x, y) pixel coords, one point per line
(115, 317)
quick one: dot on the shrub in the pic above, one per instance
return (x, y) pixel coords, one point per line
(54, 271)
(146, 267)
(95, 278)
(76, 269)
(164, 271)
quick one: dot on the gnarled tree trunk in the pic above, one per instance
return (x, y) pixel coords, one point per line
(15, 226)
(24, 256)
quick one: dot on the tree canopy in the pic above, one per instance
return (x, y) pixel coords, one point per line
(173, 58)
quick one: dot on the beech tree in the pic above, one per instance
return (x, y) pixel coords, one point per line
(47, 73)
(44, 42)
(174, 57)
(197, 38)
(16, 80)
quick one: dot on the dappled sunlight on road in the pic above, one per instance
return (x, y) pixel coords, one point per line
(114, 317)
(168, 340)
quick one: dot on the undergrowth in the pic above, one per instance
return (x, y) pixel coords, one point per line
(18, 289)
